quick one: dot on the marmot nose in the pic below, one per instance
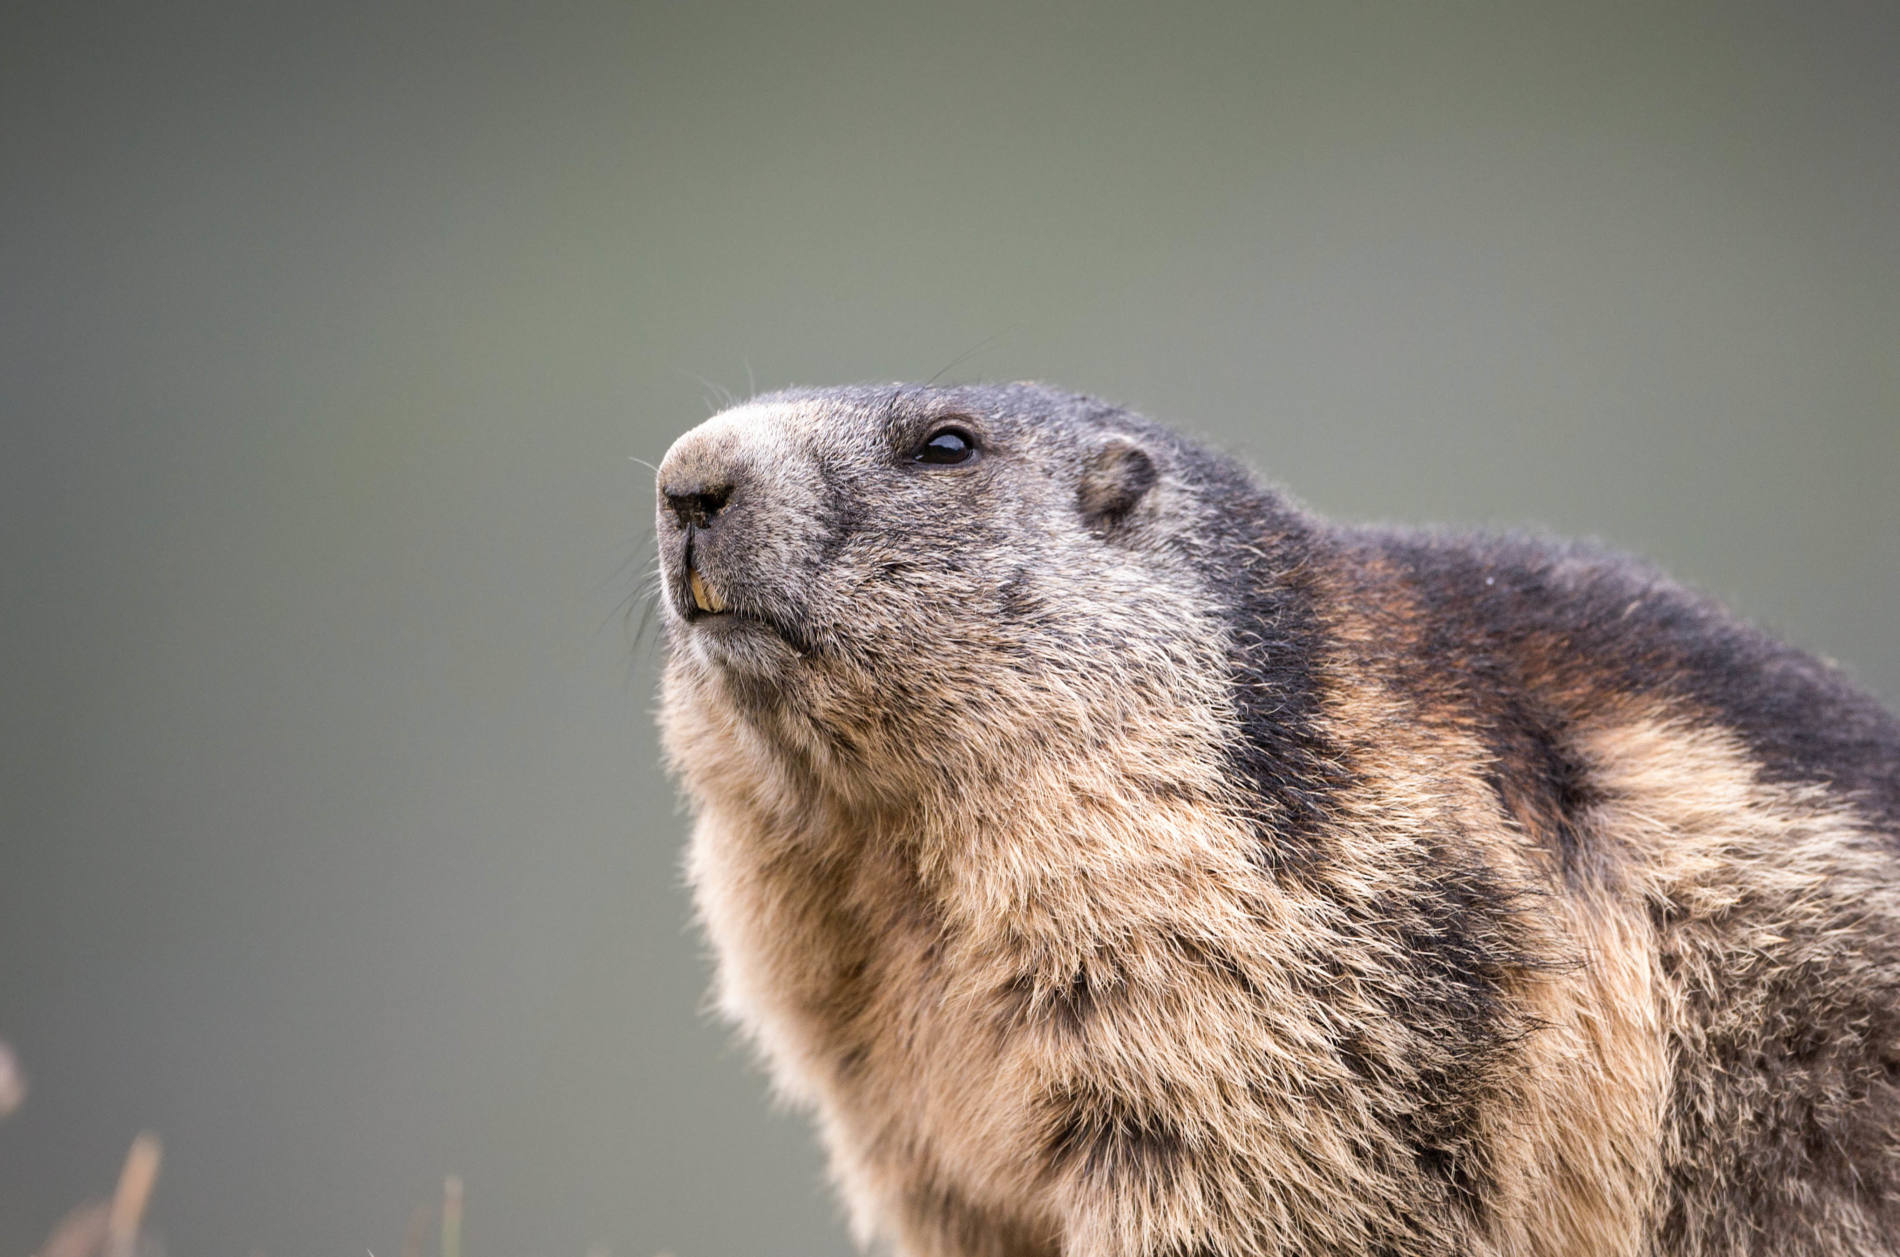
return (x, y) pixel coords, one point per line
(695, 505)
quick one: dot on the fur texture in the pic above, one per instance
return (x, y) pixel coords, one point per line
(1120, 862)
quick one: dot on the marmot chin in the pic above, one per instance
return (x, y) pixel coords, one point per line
(1122, 862)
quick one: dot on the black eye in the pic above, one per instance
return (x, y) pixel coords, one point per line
(946, 447)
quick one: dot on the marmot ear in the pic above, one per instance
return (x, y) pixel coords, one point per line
(1117, 476)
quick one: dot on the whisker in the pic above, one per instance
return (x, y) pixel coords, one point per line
(972, 351)
(645, 552)
(721, 397)
(643, 545)
(649, 611)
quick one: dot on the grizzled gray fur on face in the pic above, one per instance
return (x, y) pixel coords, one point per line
(1119, 861)
(867, 593)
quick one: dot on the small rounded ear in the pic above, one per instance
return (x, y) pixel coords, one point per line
(1117, 476)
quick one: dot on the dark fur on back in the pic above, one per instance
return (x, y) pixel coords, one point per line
(1123, 862)
(1512, 615)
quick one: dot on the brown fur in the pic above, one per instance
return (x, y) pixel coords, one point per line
(1007, 931)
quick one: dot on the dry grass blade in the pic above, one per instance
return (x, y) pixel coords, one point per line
(451, 1217)
(134, 1193)
(416, 1234)
(111, 1228)
(81, 1233)
(12, 1081)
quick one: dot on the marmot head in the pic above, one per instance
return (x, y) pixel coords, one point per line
(901, 578)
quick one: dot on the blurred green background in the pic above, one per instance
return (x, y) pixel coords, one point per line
(335, 847)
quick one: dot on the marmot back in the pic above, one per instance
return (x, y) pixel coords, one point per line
(1121, 862)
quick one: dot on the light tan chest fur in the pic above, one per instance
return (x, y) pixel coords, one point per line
(856, 993)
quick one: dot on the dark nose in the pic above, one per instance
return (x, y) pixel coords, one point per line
(696, 505)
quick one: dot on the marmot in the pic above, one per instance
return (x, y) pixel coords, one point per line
(1122, 862)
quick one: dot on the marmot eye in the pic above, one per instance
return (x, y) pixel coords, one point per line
(946, 446)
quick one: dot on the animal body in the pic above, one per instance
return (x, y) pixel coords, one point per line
(1121, 862)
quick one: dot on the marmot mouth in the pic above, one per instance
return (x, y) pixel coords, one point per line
(700, 604)
(706, 599)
